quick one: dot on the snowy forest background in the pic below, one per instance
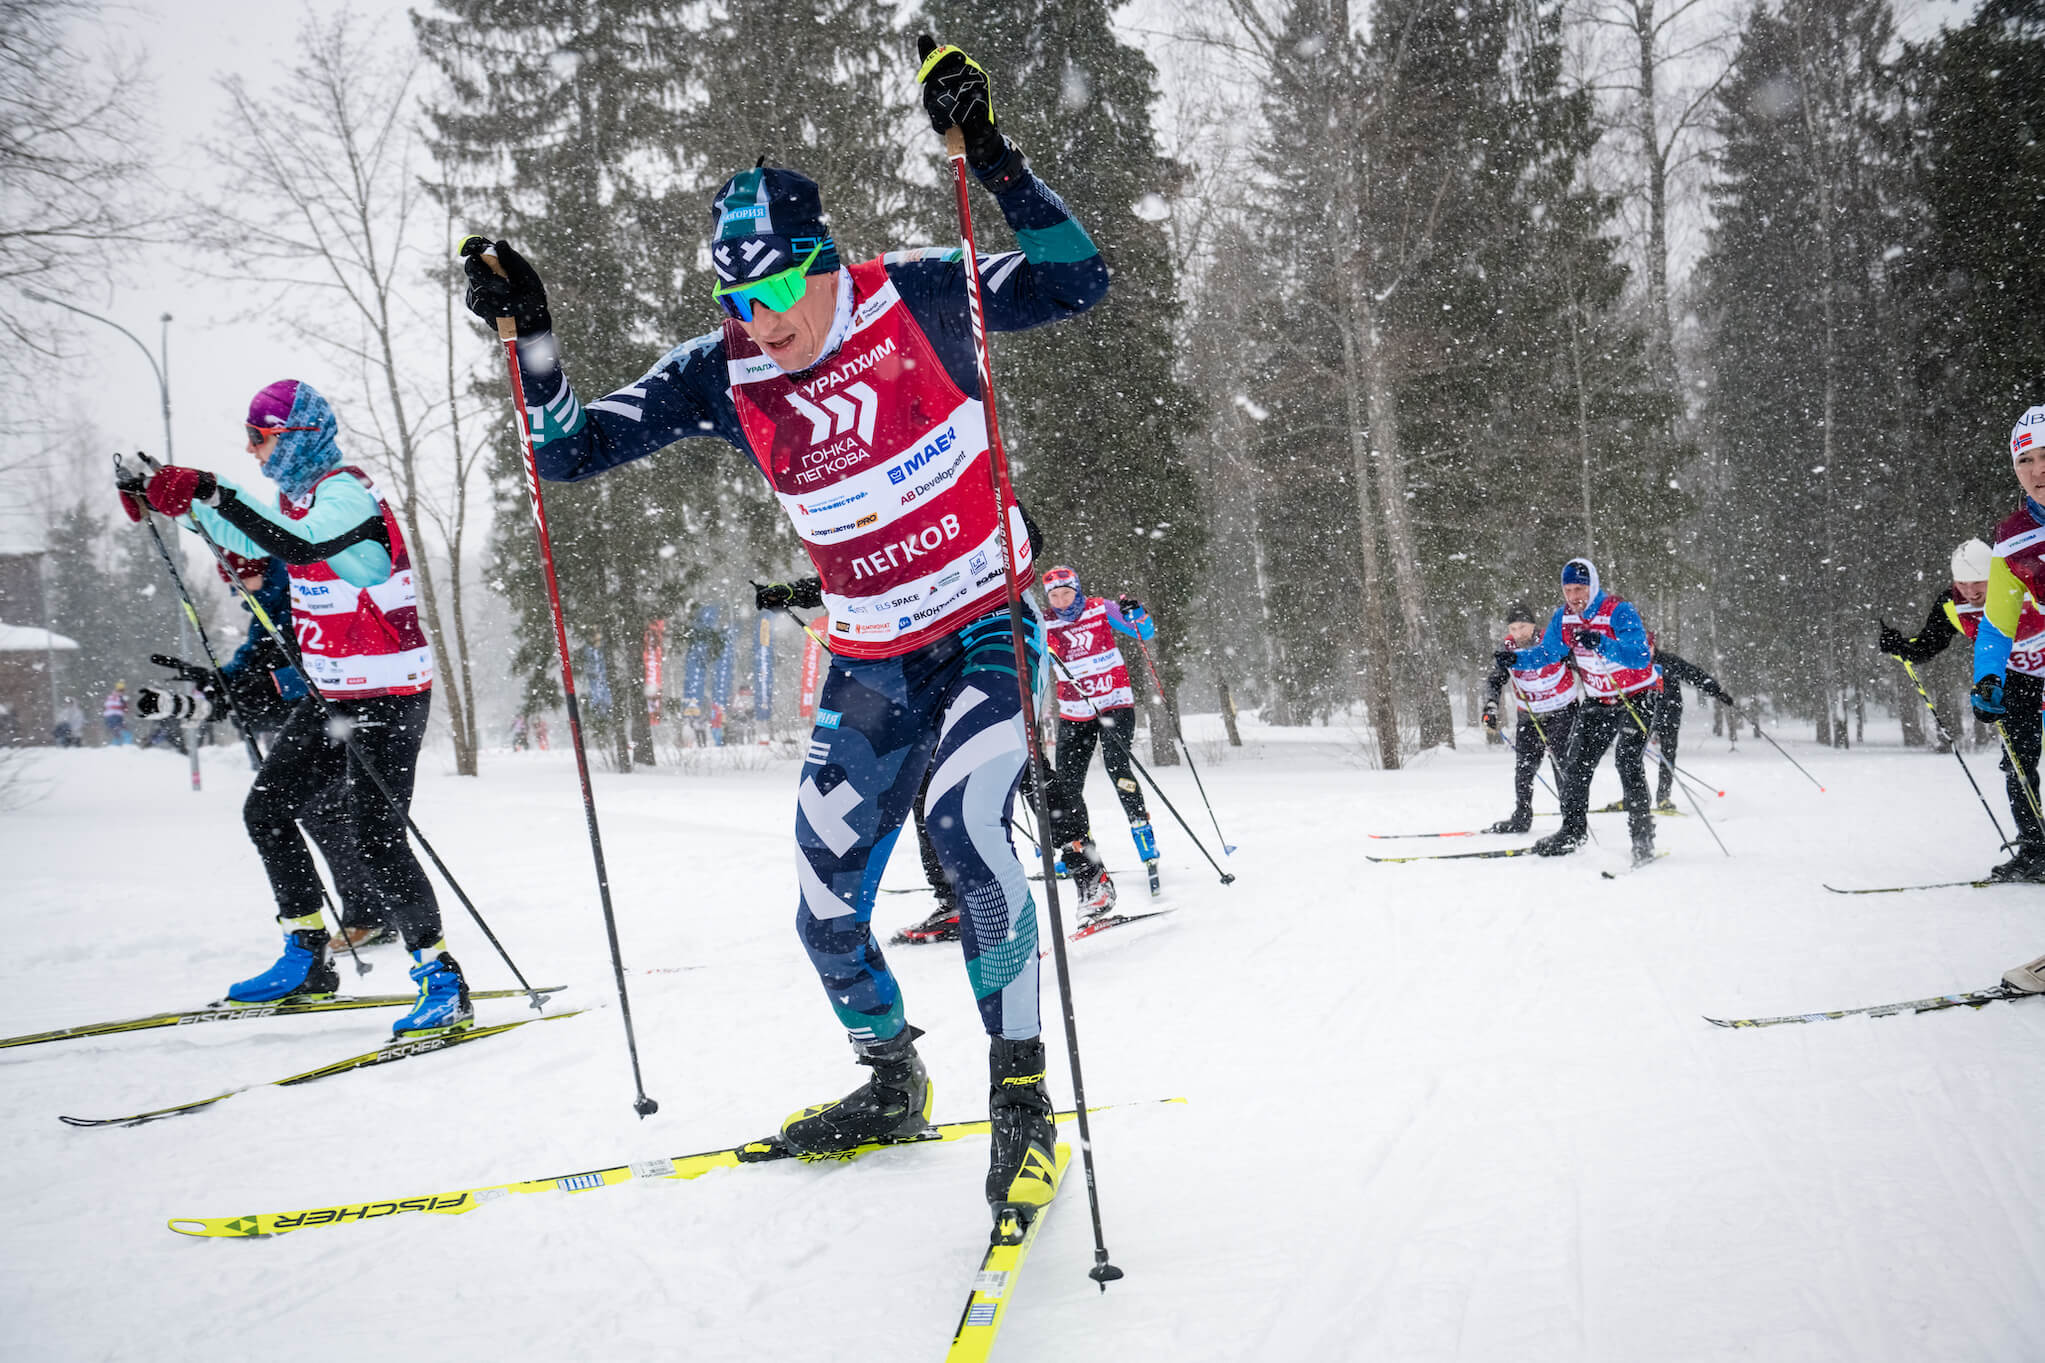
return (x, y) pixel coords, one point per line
(1412, 301)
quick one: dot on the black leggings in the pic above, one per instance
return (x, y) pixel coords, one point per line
(1536, 736)
(303, 762)
(1630, 722)
(1668, 731)
(2021, 694)
(1076, 740)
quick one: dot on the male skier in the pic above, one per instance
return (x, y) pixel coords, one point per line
(1603, 638)
(2005, 694)
(855, 389)
(1546, 698)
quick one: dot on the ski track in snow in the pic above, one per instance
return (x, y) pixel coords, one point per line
(1437, 1111)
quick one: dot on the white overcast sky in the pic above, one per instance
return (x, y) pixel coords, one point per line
(217, 361)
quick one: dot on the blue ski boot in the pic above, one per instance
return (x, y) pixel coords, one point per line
(302, 972)
(1146, 851)
(443, 1005)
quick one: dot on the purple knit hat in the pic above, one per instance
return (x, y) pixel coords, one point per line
(272, 406)
(306, 450)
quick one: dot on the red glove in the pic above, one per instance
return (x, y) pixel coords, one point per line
(131, 504)
(173, 490)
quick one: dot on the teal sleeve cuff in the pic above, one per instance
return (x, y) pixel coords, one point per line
(1059, 244)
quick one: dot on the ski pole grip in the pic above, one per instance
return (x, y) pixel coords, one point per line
(955, 142)
(507, 330)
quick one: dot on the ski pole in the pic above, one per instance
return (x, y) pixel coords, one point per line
(361, 759)
(1172, 713)
(192, 614)
(177, 579)
(507, 332)
(1226, 877)
(1102, 1272)
(1951, 742)
(1755, 725)
(1647, 737)
(2009, 750)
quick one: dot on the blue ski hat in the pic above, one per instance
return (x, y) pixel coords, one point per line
(1581, 570)
(765, 220)
(306, 448)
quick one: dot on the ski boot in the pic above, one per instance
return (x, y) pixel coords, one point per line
(1096, 890)
(1560, 844)
(1146, 850)
(1643, 848)
(1667, 807)
(2027, 865)
(941, 926)
(302, 972)
(361, 935)
(443, 1005)
(893, 1105)
(1022, 1162)
(2028, 978)
(1522, 821)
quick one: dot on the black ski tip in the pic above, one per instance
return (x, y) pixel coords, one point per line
(642, 1105)
(1104, 1273)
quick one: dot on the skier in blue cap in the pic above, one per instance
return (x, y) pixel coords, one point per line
(1602, 637)
(855, 390)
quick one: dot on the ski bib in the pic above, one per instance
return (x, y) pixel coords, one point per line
(1542, 689)
(360, 641)
(2027, 653)
(881, 463)
(1603, 679)
(1098, 674)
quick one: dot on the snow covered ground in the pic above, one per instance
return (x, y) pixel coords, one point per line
(1467, 1110)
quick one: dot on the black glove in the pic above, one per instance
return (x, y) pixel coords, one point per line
(1719, 694)
(517, 293)
(1491, 715)
(1506, 657)
(957, 94)
(1987, 697)
(1891, 641)
(1588, 641)
(807, 593)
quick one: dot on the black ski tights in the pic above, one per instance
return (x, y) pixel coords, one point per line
(1076, 740)
(1668, 732)
(303, 762)
(2021, 695)
(1531, 742)
(1597, 724)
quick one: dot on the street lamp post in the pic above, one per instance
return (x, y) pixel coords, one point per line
(159, 364)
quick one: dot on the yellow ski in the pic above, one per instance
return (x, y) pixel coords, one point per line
(259, 1224)
(385, 1054)
(994, 1284)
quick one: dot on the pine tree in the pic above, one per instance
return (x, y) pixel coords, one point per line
(593, 134)
(1093, 411)
(1802, 411)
